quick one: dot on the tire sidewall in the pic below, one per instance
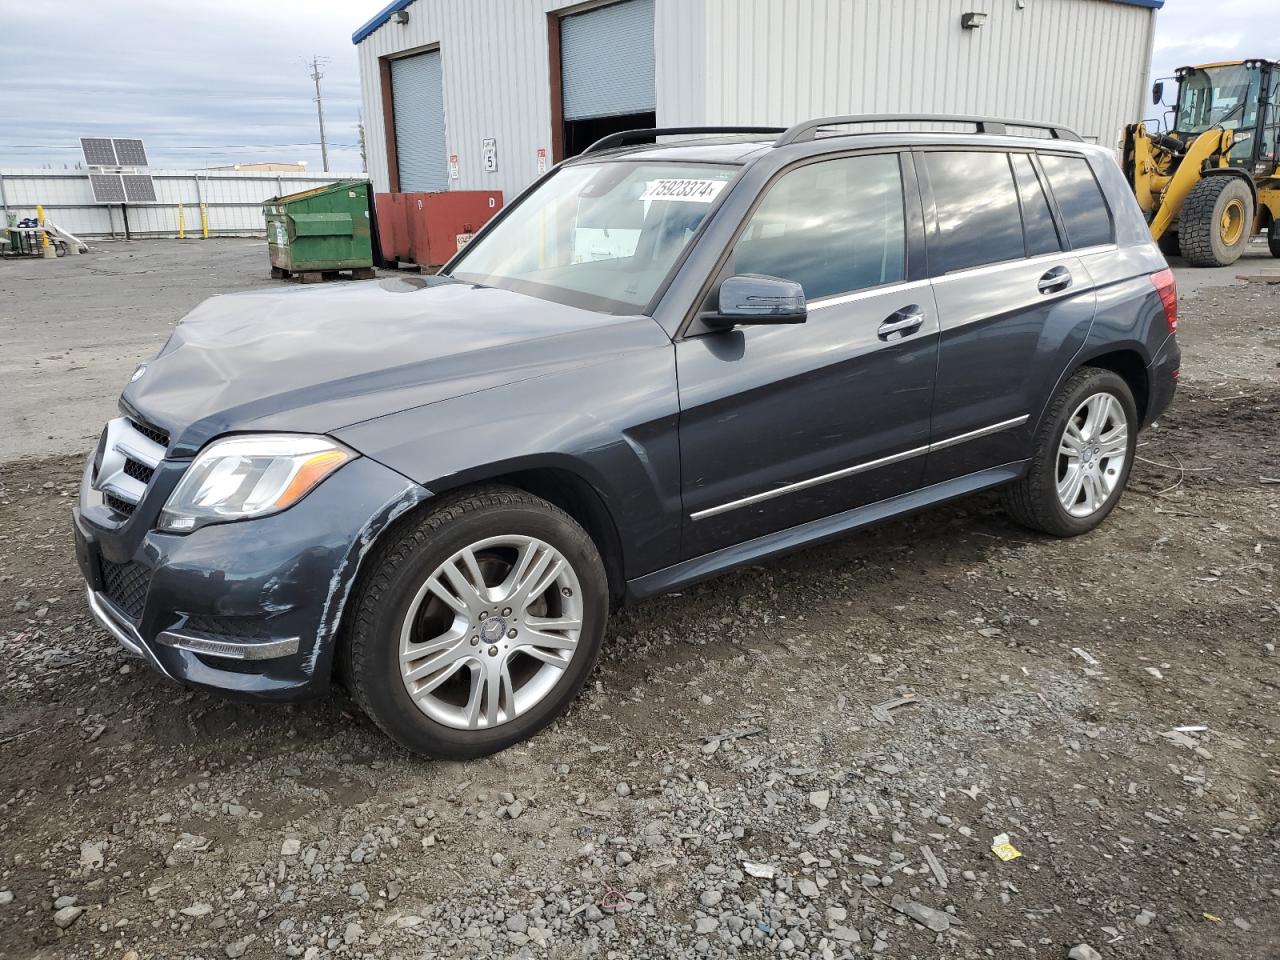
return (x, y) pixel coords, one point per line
(1097, 381)
(1233, 189)
(385, 692)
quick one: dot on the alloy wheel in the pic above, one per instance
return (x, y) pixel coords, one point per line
(1092, 454)
(489, 634)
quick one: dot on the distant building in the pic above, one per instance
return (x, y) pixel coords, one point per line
(267, 167)
(485, 94)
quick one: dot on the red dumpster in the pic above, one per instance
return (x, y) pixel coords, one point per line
(428, 228)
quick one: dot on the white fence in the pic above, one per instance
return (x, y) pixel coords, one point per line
(232, 200)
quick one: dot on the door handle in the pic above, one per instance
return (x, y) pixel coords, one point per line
(1059, 278)
(901, 322)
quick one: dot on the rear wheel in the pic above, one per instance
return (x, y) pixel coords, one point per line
(478, 625)
(1215, 222)
(1273, 238)
(1081, 456)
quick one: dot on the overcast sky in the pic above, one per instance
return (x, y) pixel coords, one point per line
(201, 79)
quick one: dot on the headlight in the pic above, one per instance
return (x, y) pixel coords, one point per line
(250, 476)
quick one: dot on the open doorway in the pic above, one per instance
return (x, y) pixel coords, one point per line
(580, 134)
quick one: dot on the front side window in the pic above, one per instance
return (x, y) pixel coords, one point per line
(979, 221)
(1084, 210)
(833, 227)
(603, 236)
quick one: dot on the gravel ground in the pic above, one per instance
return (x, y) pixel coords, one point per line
(729, 784)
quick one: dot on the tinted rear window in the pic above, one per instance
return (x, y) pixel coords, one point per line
(977, 206)
(1042, 235)
(1084, 211)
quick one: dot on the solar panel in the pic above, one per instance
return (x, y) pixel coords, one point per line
(139, 188)
(98, 151)
(107, 188)
(130, 153)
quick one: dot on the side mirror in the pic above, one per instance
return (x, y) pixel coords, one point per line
(750, 299)
(1157, 92)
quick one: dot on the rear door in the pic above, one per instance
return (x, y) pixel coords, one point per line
(1014, 304)
(780, 425)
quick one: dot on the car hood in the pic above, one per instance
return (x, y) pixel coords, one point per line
(317, 359)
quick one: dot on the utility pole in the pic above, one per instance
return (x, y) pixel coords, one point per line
(315, 64)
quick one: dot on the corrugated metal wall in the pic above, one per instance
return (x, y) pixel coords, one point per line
(1079, 62)
(233, 200)
(497, 80)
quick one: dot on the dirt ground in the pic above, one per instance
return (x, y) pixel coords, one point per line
(723, 787)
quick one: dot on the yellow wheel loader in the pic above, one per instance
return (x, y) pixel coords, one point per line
(1212, 180)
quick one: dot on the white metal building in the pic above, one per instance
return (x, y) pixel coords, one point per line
(483, 94)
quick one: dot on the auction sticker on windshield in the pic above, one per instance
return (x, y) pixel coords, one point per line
(686, 189)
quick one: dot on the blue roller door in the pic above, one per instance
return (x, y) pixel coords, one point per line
(606, 61)
(417, 96)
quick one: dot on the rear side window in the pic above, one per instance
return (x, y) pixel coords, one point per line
(1084, 211)
(833, 227)
(977, 208)
(1037, 221)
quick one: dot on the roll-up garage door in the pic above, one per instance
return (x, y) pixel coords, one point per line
(417, 97)
(606, 61)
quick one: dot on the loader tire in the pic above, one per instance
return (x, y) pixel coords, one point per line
(1273, 238)
(1215, 222)
(1169, 245)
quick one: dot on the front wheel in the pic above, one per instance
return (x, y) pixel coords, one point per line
(478, 625)
(1081, 456)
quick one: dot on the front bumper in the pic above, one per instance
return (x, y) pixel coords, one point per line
(252, 606)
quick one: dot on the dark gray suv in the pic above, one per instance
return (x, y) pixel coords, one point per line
(661, 362)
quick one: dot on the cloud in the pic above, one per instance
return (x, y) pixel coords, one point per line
(203, 83)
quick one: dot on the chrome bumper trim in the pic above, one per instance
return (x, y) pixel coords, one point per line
(124, 633)
(267, 650)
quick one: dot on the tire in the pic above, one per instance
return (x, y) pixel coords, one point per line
(1168, 244)
(1201, 235)
(496, 524)
(1035, 501)
(1273, 238)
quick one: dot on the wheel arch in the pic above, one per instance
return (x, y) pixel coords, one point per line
(1130, 365)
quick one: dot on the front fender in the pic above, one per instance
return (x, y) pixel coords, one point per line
(612, 424)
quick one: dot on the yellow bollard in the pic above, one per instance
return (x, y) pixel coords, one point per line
(182, 224)
(46, 250)
(204, 222)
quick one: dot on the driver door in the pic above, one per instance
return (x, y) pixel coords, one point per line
(780, 425)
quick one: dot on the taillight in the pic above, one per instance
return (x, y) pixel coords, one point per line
(1167, 287)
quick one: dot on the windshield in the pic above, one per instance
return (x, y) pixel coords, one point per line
(1207, 94)
(602, 236)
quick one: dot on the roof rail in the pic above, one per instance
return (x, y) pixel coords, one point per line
(808, 129)
(623, 137)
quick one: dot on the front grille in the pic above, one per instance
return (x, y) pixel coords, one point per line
(123, 507)
(138, 470)
(126, 586)
(126, 461)
(154, 434)
(247, 629)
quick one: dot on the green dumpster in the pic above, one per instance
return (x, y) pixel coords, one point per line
(320, 231)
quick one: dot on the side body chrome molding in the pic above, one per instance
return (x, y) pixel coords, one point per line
(859, 468)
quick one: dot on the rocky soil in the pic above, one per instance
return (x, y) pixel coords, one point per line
(812, 757)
